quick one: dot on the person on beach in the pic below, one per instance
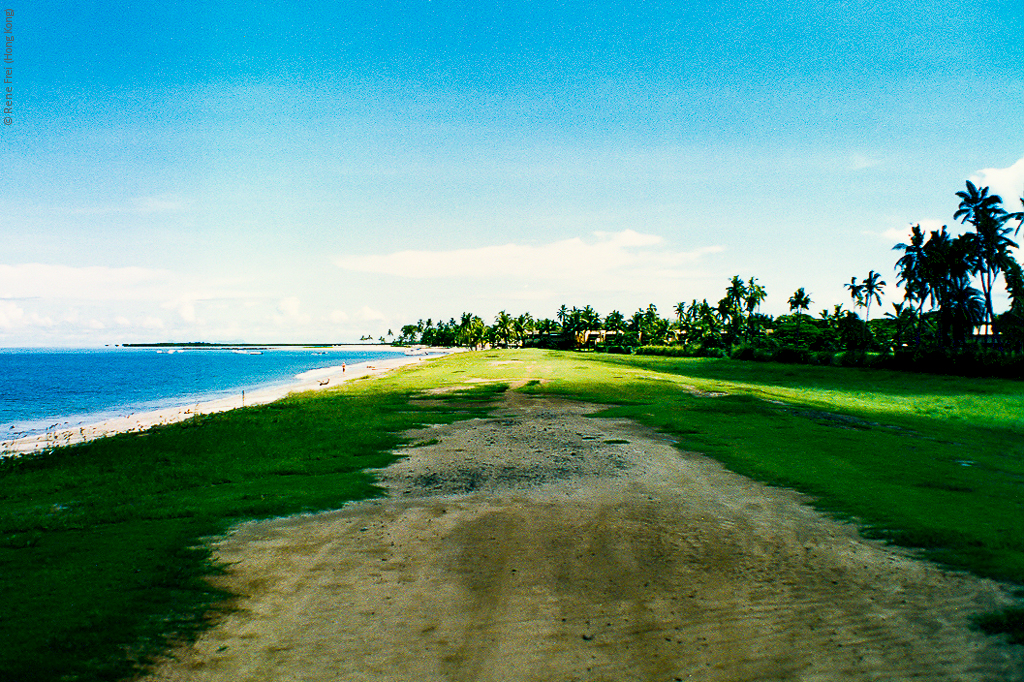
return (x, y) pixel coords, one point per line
(343, 368)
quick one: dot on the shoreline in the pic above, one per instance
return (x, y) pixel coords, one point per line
(311, 380)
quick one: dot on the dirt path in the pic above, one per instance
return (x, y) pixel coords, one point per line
(545, 545)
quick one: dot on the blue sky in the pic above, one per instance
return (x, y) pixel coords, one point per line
(222, 172)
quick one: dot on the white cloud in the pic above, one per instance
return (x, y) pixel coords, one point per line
(901, 235)
(621, 254)
(290, 310)
(1006, 182)
(153, 323)
(123, 321)
(39, 280)
(187, 311)
(13, 316)
(185, 307)
(368, 314)
(337, 316)
(10, 314)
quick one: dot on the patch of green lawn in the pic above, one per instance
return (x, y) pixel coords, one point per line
(101, 545)
(933, 463)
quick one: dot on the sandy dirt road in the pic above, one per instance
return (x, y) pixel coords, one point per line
(541, 544)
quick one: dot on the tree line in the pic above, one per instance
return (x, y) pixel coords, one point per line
(942, 308)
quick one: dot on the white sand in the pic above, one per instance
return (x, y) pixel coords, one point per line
(307, 381)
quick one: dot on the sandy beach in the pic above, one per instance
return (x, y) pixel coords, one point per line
(312, 380)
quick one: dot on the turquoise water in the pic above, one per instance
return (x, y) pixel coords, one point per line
(43, 389)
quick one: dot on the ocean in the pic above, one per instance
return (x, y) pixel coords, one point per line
(46, 389)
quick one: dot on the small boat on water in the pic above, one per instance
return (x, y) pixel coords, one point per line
(247, 352)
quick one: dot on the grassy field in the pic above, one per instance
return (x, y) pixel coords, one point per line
(101, 551)
(100, 544)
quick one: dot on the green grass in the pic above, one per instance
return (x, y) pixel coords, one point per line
(101, 551)
(932, 463)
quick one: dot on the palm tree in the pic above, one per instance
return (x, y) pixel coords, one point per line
(799, 300)
(1014, 317)
(636, 325)
(947, 265)
(680, 310)
(752, 302)
(1019, 217)
(966, 309)
(731, 307)
(524, 325)
(503, 327)
(755, 296)
(654, 327)
(615, 321)
(477, 332)
(912, 275)
(902, 316)
(856, 292)
(518, 330)
(707, 324)
(562, 314)
(873, 286)
(547, 326)
(989, 242)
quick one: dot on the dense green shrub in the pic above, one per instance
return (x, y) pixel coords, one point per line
(971, 361)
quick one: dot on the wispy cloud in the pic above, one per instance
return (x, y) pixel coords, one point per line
(290, 312)
(607, 254)
(39, 280)
(1006, 182)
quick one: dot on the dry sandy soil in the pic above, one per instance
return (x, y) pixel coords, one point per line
(541, 544)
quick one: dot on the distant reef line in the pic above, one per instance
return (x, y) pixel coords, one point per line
(204, 344)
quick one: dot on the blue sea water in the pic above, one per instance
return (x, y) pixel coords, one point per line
(41, 389)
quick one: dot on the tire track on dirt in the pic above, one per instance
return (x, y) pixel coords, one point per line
(541, 544)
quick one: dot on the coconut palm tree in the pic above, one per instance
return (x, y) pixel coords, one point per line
(752, 302)
(547, 326)
(476, 333)
(755, 295)
(1019, 217)
(947, 264)
(1014, 317)
(680, 310)
(707, 324)
(912, 275)
(856, 292)
(503, 330)
(590, 318)
(902, 317)
(562, 315)
(730, 308)
(873, 286)
(525, 326)
(799, 301)
(615, 321)
(636, 325)
(989, 243)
